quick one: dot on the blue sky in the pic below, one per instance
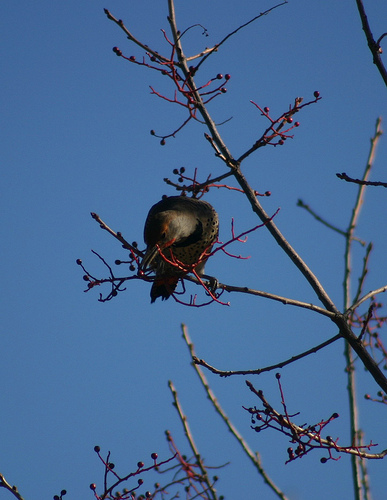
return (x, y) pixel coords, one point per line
(75, 125)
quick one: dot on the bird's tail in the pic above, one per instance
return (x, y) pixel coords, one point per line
(163, 287)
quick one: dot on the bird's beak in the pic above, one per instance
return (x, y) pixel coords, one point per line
(152, 253)
(149, 257)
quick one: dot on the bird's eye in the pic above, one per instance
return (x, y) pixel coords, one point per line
(163, 235)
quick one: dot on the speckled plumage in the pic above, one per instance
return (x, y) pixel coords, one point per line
(183, 228)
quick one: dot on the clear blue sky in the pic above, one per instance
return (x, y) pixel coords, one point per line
(75, 121)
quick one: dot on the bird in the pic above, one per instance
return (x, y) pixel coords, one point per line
(184, 230)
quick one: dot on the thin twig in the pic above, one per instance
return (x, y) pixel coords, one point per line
(216, 47)
(196, 188)
(12, 489)
(254, 457)
(301, 204)
(366, 297)
(191, 442)
(258, 371)
(373, 46)
(271, 296)
(363, 273)
(346, 178)
(351, 386)
(133, 38)
(117, 235)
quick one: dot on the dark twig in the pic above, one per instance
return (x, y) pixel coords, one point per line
(374, 47)
(364, 272)
(346, 177)
(271, 296)
(258, 371)
(216, 47)
(371, 157)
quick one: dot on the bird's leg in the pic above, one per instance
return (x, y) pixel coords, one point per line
(212, 284)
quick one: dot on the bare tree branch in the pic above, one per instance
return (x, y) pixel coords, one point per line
(374, 46)
(366, 297)
(356, 435)
(261, 14)
(132, 38)
(195, 98)
(116, 235)
(188, 434)
(301, 204)
(258, 371)
(254, 457)
(346, 177)
(271, 296)
(12, 489)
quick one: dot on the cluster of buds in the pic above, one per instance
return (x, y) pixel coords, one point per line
(279, 128)
(370, 323)
(190, 94)
(111, 492)
(187, 184)
(185, 474)
(304, 438)
(60, 497)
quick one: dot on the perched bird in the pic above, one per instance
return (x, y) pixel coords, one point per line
(181, 229)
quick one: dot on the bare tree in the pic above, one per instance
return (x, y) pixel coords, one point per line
(358, 326)
(358, 323)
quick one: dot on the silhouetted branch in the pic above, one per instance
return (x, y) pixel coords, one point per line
(258, 371)
(216, 46)
(374, 47)
(346, 177)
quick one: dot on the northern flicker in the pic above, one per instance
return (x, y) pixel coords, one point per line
(182, 229)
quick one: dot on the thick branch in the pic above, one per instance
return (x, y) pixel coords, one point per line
(339, 319)
(235, 166)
